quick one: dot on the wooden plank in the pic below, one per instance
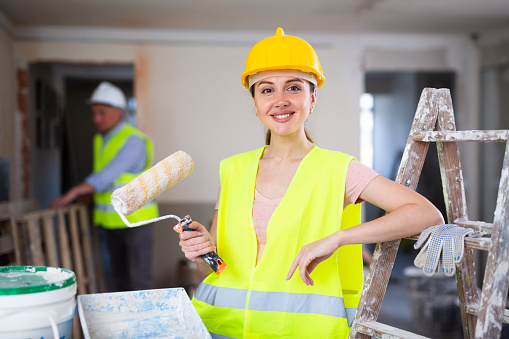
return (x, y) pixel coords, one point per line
(81, 278)
(385, 253)
(475, 225)
(49, 240)
(37, 214)
(6, 241)
(16, 236)
(35, 241)
(86, 237)
(6, 244)
(463, 136)
(77, 333)
(379, 330)
(456, 207)
(17, 207)
(63, 240)
(495, 286)
(474, 310)
(482, 244)
(96, 243)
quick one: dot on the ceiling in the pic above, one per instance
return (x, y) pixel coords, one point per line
(332, 16)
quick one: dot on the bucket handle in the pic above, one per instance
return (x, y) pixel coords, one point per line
(54, 328)
(56, 334)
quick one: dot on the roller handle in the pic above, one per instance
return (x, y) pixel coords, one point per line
(212, 259)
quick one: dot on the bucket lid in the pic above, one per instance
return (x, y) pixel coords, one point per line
(33, 279)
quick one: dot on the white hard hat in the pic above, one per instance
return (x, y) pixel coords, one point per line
(108, 94)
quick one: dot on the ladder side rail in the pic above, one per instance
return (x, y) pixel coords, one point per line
(495, 285)
(455, 201)
(385, 253)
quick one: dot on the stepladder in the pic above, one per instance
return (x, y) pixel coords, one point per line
(482, 312)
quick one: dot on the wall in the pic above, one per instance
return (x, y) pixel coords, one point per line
(8, 105)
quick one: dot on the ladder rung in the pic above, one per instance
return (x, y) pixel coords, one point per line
(474, 243)
(475, 225)
(379, 330)
(483, 244)
(456, 136)
(474, 310)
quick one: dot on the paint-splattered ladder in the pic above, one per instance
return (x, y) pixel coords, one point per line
(482, 316)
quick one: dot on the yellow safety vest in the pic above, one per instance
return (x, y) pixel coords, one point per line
(104, 214)
(256, 301)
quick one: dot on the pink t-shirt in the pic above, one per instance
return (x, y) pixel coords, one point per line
(357, 178)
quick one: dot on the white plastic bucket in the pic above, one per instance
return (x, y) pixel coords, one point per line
(36, 302)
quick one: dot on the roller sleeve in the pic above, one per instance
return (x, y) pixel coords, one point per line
(148, 185)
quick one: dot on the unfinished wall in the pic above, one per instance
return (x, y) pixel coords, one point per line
(7, 109)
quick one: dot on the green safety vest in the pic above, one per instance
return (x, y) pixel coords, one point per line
(249, 300)
(104, 214)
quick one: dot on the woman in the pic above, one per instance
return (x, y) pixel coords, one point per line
(292, 206)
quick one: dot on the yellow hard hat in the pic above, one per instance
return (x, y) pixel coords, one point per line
(282, 52)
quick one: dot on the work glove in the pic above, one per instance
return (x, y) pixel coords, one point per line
(446, 242)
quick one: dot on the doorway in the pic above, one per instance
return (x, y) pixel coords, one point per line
(62, 131)
(395, 96)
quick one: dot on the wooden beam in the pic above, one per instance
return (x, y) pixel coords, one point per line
(475, 225)
(474, 310)
(482, 244)
(378, 330)
(462, 136)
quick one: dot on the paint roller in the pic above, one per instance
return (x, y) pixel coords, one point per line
(148, 185)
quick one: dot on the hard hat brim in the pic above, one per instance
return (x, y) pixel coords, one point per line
(319, 77)
(95, 102)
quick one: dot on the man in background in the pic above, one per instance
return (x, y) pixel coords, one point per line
(121, 153)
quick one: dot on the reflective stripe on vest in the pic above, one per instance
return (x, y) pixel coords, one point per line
(275, 301)
(104, 214)
(249, 298)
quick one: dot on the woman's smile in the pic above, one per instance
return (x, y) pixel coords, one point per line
(282, 117)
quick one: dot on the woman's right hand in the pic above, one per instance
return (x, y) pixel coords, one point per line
(194, 244)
